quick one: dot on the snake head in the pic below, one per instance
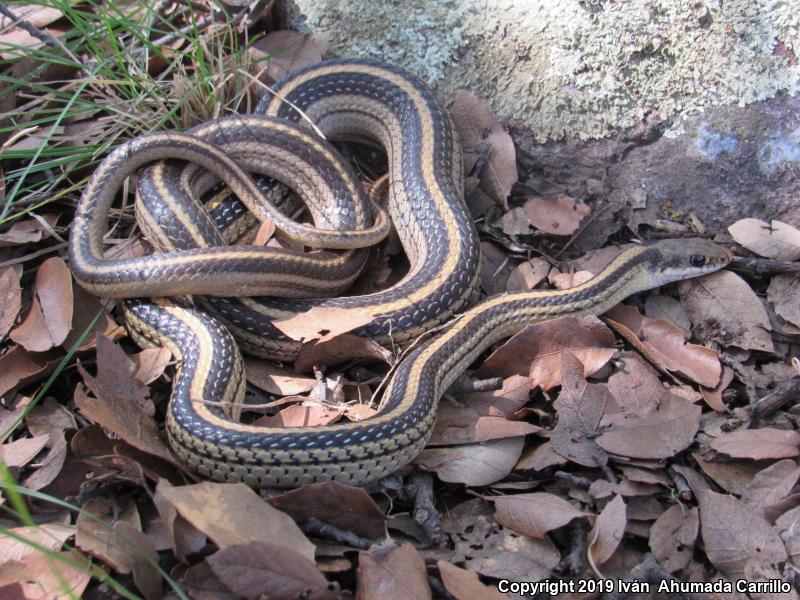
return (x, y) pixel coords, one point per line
(674, 260)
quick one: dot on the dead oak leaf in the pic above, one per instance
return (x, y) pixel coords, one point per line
(580, 407)
(343, 506)
(119, 401)
(777, 240)
(232, 513)
(606, 535)
(257, 570)
(276, 380)
(10, 299)
(664, 344)
(673, 535)
(394, 572)
(783, 292)
(281, 52)
(482, 137)
(323, 323)
(772, 484)
(466, 585)
(339, 348)
(473, 464)
(659, 434)
(504, 402)
(559, 215)
(527, 275)
(50, 317)
(758, 444)
(464, 425)
(536, 351)
(534, 514)
(734, 534)
(725, 306)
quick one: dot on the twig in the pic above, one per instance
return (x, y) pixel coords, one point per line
(425, 513)
(467, 385)
(788, 391)
(315, 527)
(581, 482)
(44, 36)
(764, 266)
(572, 564)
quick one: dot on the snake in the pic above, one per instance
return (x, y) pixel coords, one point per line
(361, 100)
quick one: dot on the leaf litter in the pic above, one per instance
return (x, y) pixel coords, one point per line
(639, 432)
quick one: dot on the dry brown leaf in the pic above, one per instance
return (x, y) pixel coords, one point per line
(713, 396)
(516, 222)
(534, 514)
(565, 281)
(51, 464)
(659, 434)
(635, 385)
(258, 570)
(777, 240)
(232, 513)
(120, 402)
(665, 345)
(281, 52)
(536, 350)
(580, 407)
(539, 458)
(117, 540)
(182, 536)
(527, 275)
(394, 572)
(343, 506)
(724, 304)
(783, 292)
(276, 380)
(26, 231)
(608, 531)
(10, 299)
(323, 323)
(464, 425)
(38, 580)
(19, 367)
(49, 536)
(481, 135)
(465, 585)
(298, 415)
(340, 348)
(49, 417)
(151, 363)
(658, 306)
(788, 524)
(733, 477)
(673, 535)
(491, 550)
(504, 402)
(734, 534)
(84, 313)
(473, 464)
(54, 290)
(772, 484)
(758, 444)
(558, 215)
(20, 452)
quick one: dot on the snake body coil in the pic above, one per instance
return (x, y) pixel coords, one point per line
(345, 99)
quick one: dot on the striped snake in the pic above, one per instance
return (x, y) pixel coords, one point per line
(345, 100)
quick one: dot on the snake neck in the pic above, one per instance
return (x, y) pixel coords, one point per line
(429, 371)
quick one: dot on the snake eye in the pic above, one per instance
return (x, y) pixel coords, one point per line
(697, 260)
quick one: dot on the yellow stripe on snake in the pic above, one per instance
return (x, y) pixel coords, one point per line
(345, 100)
